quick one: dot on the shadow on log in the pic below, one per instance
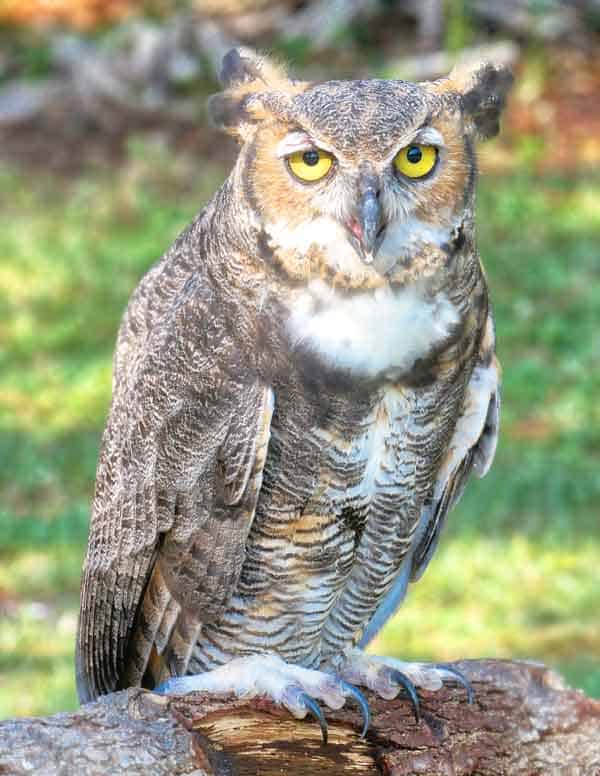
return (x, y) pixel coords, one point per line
(524, 721)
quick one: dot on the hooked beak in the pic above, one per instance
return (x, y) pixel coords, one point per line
(367, 227)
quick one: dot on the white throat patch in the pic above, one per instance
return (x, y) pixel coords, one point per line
(402, 238)
(371, 332)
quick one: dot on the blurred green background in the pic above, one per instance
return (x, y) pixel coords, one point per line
(91, 197)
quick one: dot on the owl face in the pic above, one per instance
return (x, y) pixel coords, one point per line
(357, 183)
(356, 196)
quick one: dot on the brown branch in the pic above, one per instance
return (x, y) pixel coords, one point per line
(524, 722)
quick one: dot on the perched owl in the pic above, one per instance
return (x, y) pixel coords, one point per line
(302, 387)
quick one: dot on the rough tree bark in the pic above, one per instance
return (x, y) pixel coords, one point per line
(524, 722)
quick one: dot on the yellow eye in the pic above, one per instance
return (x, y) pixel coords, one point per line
(415, 161)
(311, 165)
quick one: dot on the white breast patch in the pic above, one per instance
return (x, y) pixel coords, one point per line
(373, 331)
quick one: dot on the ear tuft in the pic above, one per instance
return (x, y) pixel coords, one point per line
(483, 91)
(235, 70)
(243, 66)
(254, 86)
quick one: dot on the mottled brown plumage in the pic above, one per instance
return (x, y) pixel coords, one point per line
(293, 417)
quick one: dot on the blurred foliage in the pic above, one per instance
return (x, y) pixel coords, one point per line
(81, 14)
(552, 123)
(459, 30)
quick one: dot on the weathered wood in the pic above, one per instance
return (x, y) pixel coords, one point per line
(524, 722)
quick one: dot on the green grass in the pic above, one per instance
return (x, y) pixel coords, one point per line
(518, 572)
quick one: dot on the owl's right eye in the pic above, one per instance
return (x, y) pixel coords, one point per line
(310, 165)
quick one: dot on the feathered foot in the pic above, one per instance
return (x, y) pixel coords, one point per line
(387, 676)
(294, 687)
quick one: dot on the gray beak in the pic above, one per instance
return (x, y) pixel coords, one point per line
(369, 216)
(369, 224)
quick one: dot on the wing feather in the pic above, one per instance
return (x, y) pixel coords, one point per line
(471, 449)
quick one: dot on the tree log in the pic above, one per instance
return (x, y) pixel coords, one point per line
(524, 721)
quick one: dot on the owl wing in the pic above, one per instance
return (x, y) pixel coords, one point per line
(177, 485)
(471, 449)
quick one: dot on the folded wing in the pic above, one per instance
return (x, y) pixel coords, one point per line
(178, 480)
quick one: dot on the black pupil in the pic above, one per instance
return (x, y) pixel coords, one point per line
(414, 154)
(310, 157)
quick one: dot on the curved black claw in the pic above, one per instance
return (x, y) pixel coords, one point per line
(315, 710)
(402, 679)
(462, 680)
(362, 702)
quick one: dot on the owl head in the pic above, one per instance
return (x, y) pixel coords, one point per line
(361, 182)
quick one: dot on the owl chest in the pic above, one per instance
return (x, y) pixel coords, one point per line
(335, 516)
(337, 492)
(359, 463)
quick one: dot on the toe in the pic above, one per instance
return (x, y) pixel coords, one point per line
(179, 685)
(323, 686)
(426, 677)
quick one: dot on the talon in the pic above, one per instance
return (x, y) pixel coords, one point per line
(462, 680)
(315, 710)
(402, 679)
(362, 702)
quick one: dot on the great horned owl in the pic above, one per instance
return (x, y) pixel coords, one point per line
(302, 386)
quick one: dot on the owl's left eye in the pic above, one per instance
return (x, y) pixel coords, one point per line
(416, 161)
(310, 165)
